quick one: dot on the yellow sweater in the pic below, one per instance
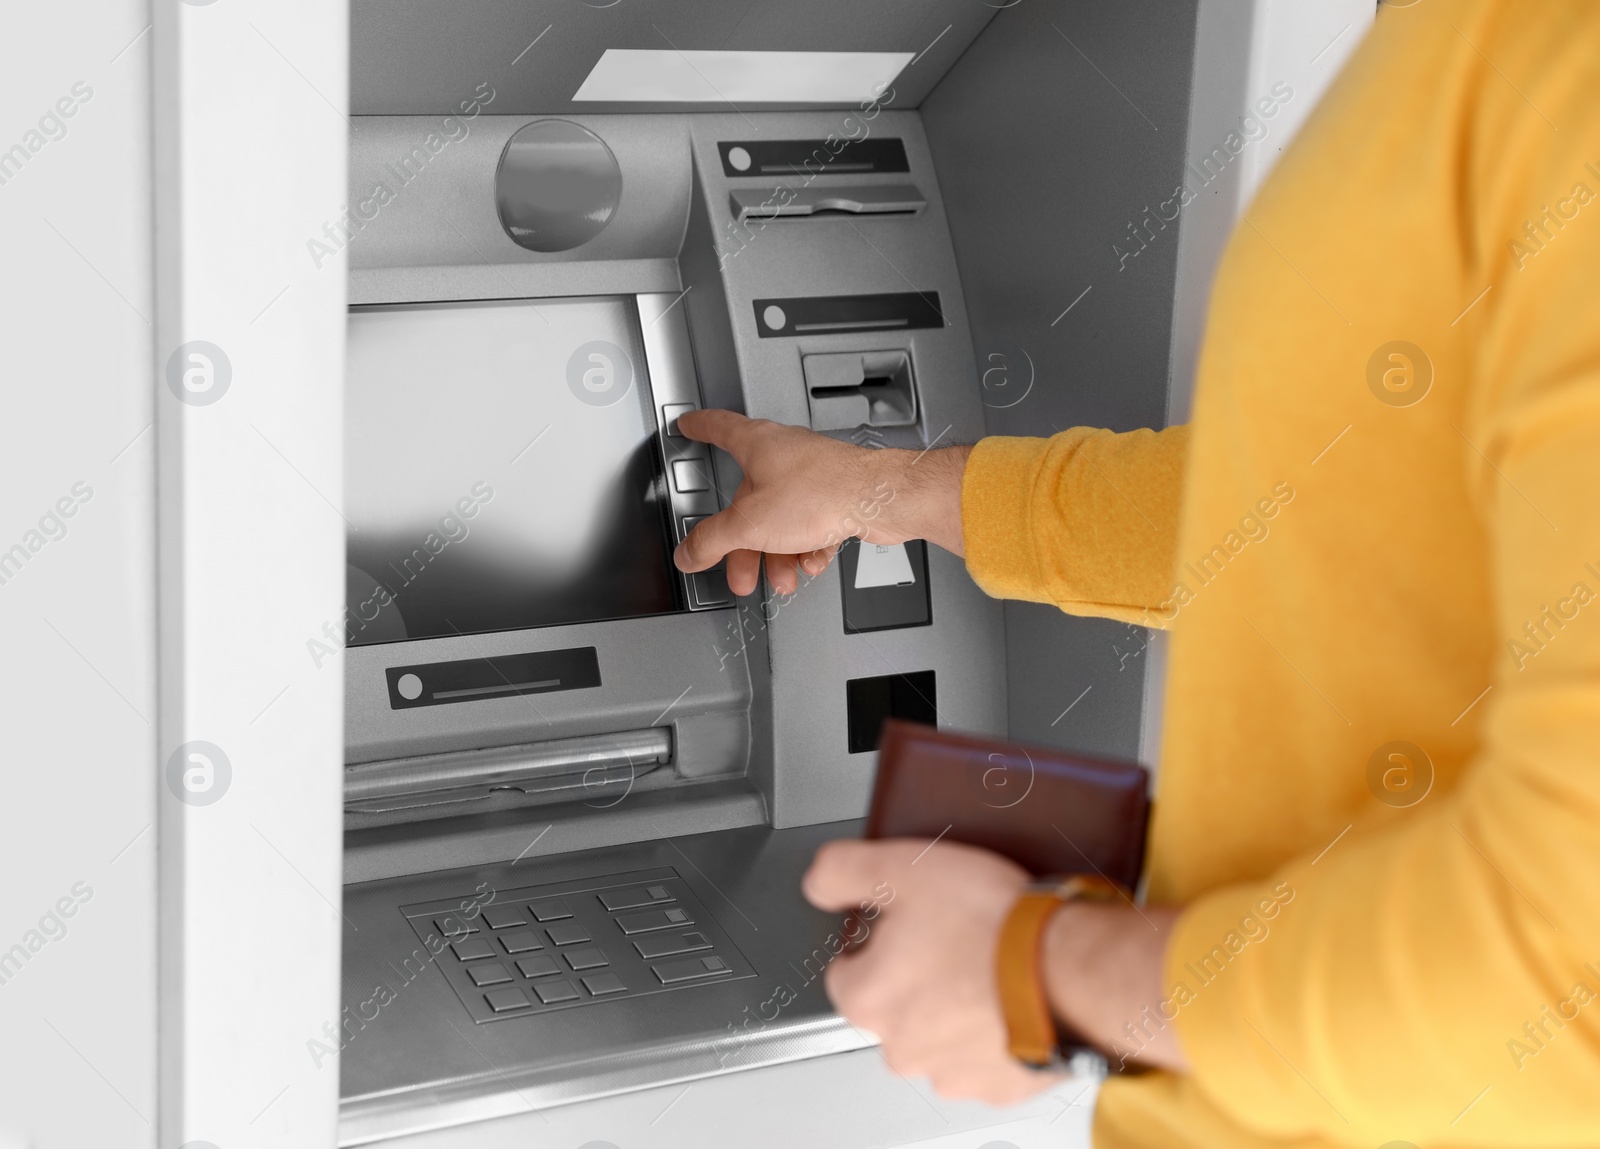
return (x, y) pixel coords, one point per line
(1377, 548)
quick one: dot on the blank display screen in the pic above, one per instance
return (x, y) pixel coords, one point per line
(501, 470)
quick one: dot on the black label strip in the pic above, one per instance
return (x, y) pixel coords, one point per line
(475, 679)
(806, 158)
(837, 314)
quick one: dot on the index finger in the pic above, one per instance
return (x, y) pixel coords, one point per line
(726, 429)
(713, 539)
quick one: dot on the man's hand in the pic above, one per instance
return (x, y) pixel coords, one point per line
(804, 493)
(924, 981)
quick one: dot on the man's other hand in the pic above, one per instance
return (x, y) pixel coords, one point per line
(924, 981)
(803, 494)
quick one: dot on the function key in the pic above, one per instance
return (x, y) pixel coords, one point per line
(632, 899)
(453, 927)
(690, 969)
(654, 920)
(669, 418)
(552, 911)
(503, 917)
(665, 945)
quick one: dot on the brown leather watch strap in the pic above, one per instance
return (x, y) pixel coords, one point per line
(1030, 1027)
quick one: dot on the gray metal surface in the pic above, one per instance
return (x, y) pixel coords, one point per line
(865, 199)
(691, 477)
(416, 57)
(378, 847)
(434, 232)
(807, 652)
(376, 785)
(812, 775)
(849, 1100)
(414, 1058)
(655, 670)
(1086, 135)
(557, 185)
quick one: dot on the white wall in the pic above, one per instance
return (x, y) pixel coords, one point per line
(199, 954)
(77, 621)
(1244, 48)
(1304, 45)
(251, 144)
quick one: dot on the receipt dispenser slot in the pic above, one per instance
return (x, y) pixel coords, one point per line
(860, 389)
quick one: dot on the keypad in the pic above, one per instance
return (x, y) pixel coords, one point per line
(558, 947)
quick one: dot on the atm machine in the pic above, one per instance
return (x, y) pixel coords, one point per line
(581, 787)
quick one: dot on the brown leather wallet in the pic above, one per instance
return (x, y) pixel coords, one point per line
(1049, 811)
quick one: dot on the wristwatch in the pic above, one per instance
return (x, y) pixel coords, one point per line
(1031, 1031)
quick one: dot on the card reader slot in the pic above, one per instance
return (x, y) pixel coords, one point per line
(856, 200)
(849, 389)
(377, 786)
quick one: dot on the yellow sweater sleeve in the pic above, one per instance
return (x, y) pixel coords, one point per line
(1456, 948)
(1086, 520)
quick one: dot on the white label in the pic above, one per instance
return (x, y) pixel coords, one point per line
(643, 75)
(883, 566)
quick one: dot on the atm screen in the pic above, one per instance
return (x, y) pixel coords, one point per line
(501, 469)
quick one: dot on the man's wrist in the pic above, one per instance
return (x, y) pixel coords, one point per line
(1071, 938)
(922, 492)
(1102, 969)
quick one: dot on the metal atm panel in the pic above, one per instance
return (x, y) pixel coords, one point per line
(726, 739)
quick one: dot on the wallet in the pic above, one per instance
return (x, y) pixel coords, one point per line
(1050, 811)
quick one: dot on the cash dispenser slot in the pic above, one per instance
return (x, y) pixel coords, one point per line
(811, 202)
(860, 389)
(407, 783)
